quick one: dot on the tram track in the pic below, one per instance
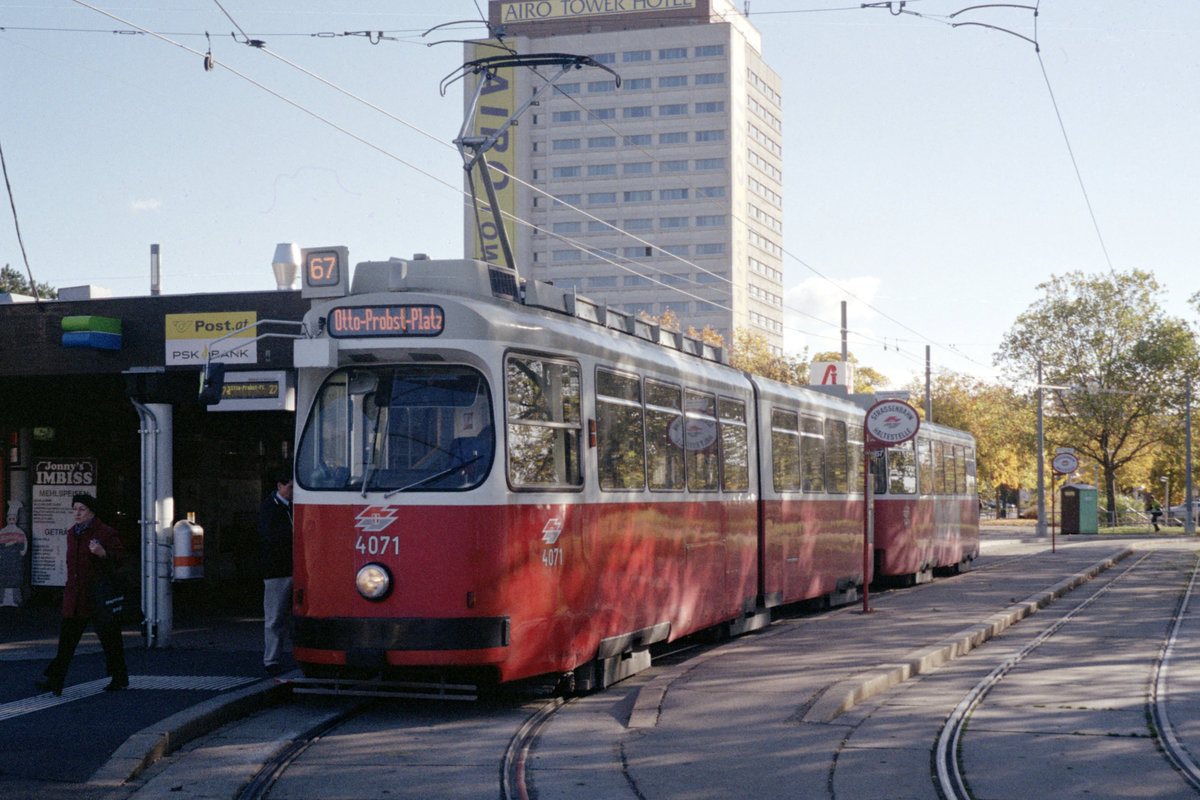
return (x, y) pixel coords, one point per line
(513, 776)
(947, 755)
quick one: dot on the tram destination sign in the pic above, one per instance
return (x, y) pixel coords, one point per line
(407, 320)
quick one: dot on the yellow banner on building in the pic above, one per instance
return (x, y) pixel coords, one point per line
(187, 337)
(538, 10)
(497, 102)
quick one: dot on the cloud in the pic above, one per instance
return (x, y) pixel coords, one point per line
(139, 206)
(812, 313)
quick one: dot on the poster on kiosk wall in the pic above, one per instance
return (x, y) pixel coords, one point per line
(55, 482)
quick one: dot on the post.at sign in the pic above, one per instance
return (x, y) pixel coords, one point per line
(888, 423)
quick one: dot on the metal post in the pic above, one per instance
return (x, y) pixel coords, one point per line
(1189, 515)
(929, 389)
(1041, 459)
(866, 554)
(157, 508)
(845, 346)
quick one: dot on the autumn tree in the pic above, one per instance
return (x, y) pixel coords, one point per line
(1113, 365)
(752, 352)
(1001, 420)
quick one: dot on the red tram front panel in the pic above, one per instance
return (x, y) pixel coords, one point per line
(522, 589)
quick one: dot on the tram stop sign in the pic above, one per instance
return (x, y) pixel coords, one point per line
(889, 423)
(1065, 463)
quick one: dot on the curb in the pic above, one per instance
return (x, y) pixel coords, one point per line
(846, 694)
(159, 740)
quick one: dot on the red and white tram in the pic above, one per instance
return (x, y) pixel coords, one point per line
(494, 484)
(926, 506)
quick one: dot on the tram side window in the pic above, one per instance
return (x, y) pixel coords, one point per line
(664, 436)
(879, 471)
(960, 469)
(925, 464)
(969, 460)
(701, 442)
(785, 450)
(812, 454)
(939, 469)
(836, 457)
(620, 434)
(855, 449)
(735, 455)
(544, 429)
(324, 458)
(902, 469)
(951, 468)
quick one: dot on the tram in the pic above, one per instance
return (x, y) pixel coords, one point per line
(497, 479)
(926, 506)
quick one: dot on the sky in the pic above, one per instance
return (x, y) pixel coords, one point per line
(934, 174)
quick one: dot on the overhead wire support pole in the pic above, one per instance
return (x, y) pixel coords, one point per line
(474, 148)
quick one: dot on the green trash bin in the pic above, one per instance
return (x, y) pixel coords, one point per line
(1079, 509)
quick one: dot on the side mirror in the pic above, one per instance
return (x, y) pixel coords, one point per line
(212, 382)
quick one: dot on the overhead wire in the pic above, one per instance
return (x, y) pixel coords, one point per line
(592, 251)
(12, 203)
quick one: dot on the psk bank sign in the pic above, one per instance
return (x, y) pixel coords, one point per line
(187, 338)
(535, 10)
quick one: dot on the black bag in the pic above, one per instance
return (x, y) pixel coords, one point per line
(108, 598)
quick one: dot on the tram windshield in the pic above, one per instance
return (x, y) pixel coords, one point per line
(398, 428)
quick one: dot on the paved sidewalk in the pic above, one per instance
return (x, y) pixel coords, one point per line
(87, 741)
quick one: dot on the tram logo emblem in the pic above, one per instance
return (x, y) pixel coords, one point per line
(553, 530)
(373, 519)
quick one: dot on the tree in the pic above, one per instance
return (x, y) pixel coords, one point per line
(752, 352)
(14, 282)
(1001, 420)
(1114, 362)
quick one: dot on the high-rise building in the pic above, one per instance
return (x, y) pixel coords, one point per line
(665, 193)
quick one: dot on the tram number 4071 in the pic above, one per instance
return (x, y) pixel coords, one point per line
(378, 545)
(552, 556)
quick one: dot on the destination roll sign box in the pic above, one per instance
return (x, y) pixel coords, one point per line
(407, 320)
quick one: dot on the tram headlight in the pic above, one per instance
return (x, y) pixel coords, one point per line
(374, 582)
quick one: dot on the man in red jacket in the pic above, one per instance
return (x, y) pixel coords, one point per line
(93, 548)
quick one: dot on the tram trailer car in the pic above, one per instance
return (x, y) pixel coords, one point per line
(926, 506)
(493, 485)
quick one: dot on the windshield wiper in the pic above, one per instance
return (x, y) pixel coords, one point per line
(431, 478)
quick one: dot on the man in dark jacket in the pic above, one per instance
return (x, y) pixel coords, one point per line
(275, 540)
(94, 550)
